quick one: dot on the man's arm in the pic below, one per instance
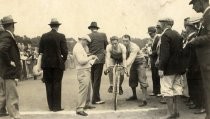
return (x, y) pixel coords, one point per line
(82, 59)
(5, 44)
(108, 55)
(132, 57)
(124, 55)
(64, 49)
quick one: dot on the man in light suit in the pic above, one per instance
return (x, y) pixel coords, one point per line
(83, 64)
(53, 53)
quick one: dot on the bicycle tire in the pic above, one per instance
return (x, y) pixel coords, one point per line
(115, 101)
(115, 92)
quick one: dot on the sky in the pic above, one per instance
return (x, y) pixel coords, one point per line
(114, 17)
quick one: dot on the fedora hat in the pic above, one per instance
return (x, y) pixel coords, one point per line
(191, 2)
(7, 20)
(54, 21)
(93, 25)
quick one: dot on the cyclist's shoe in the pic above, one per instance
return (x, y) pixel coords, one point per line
(132, 98)
(110, 90)
(120, 91)
(144, 103)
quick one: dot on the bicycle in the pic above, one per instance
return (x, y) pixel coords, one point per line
(117, 71)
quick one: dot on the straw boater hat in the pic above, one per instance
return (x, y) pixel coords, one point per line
(54, 21)
(193, 21)
(93, 25)
(7, 20)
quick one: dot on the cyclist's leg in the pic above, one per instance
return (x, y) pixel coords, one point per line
(143, 80)
(110, 90)
(133, 82)
(120, 84)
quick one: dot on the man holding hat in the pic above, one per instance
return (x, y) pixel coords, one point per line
(153, 59)
(97, 47)
(53, 53)
(202, 44)
(10, 66)
(193, 74)
(170, 66)
(83, 62)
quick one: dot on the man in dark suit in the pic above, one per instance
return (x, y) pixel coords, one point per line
(153, 59)
(202, 44)
(53, 54)
(10, 66)
(97, 47)
(170, 66)
(194, 78)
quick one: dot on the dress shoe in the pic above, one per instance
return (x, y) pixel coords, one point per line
(110, 90)
(82, 113)
(144, 103)
(159, 95)
(56, 110)
(89, 107)
(98, 102)
(120, 91)
(201, 111)
(152, 94)
(3, 114)
(132, 98)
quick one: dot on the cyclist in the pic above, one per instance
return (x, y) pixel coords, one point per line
(115, 53)
(137, 62)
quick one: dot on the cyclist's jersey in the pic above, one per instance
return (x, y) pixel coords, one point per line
(115, 55)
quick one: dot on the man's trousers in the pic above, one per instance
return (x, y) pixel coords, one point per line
(53, 79)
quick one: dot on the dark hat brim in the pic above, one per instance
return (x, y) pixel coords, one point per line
(55, 24)
(9, 23)
(91, 27)
(191, 2)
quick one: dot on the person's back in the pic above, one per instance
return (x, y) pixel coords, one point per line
(52, 50)
(98, 44)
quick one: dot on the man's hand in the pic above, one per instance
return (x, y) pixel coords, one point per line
(160, 72)
(93, 57)
(13, 64)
